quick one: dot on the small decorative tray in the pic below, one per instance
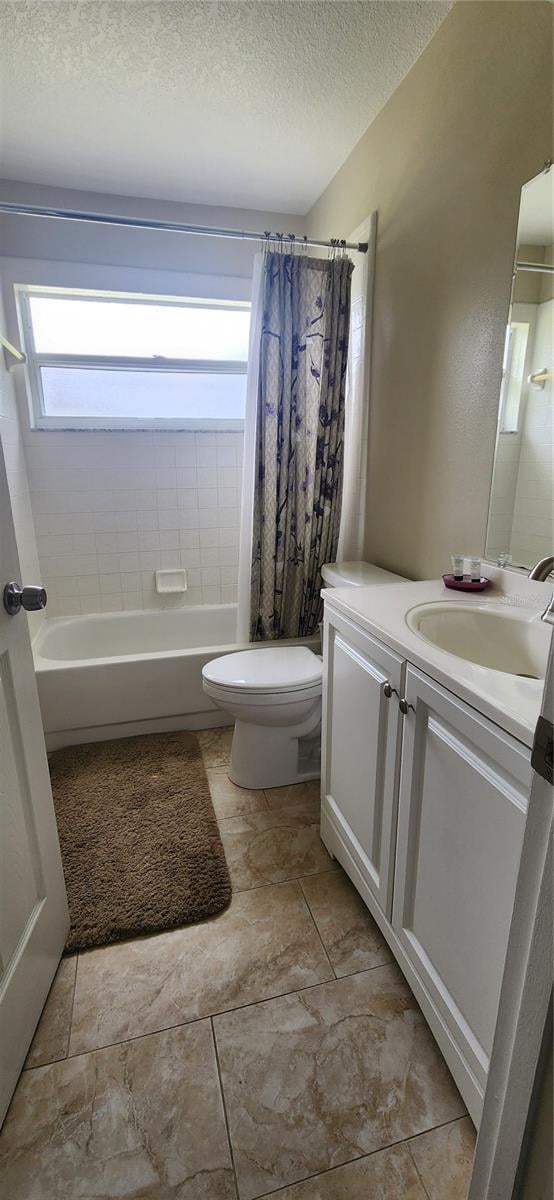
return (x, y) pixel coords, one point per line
(466, 584)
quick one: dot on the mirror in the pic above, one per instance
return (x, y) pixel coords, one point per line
(521, 515)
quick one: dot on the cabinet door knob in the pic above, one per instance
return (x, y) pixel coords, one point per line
(404, 706)
(387, 690)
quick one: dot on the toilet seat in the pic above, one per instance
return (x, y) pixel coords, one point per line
(245, 696)
(274, 696)
(272, 672)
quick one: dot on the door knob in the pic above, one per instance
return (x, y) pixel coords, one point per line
(32, 598)
(405, 707)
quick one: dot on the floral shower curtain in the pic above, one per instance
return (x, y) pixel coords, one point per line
(301, 378)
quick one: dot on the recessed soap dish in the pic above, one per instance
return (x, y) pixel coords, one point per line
(171, 581)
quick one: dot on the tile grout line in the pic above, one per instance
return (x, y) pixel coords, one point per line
(210, 1016)
(65, 1056)
(223, 1104)
(78, 955)
(360, 1158)
(417, 1171)
(256, 887)
(294, 806)
(316, 926)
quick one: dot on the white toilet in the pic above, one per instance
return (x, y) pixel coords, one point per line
(274, 695)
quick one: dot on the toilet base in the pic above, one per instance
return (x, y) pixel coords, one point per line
(265, 756)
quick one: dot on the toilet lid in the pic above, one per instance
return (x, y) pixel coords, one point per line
(275, 669)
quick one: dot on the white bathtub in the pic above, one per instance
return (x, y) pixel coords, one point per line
(116, 674)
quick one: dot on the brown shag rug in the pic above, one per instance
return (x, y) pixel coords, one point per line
(140, 844)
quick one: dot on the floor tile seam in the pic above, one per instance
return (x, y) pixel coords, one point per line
(61, 1058)
(280, 883)
(137, 1037)
(273, 882)
(78, 956)
(224, 1106)
(294, 807)
(207, 1017)
(307, 987)
(417, 1171)
(257, 887)
(315, 799)
(289, 879)
(232, 816)
(360, 1157)
(316, 926)
(223, 769)
(252, 812)
(236, 816)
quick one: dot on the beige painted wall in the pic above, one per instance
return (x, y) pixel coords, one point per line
(443, 164)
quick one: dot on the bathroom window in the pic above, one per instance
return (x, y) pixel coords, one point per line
(119, 361)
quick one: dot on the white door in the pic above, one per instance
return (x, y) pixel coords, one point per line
(516, 1124)
(360, 736)
(464, 788)
(33, 908)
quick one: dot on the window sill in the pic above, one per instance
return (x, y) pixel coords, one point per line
(145, 425)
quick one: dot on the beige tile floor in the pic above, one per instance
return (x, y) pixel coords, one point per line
(275, 1050)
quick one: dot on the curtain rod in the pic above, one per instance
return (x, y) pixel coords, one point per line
(540, 268)
(71, 214)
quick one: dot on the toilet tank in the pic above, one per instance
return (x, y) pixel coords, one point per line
(357, 574)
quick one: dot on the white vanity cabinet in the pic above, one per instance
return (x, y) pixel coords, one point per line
(464, 785)
(425, 810)
(360, 749)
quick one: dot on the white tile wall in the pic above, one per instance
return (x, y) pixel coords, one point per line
(533, 518)
(111, 508)
(499, 533)
(522, 508)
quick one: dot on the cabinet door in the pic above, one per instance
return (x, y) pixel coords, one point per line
(461, 814)
(361, 729)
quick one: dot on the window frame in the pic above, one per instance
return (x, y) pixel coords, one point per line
(41, 420)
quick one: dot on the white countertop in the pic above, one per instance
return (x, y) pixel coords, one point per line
(512, 702)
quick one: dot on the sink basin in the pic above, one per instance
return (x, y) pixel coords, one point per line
(514, 641)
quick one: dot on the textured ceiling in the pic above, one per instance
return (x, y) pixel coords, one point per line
(247, 104)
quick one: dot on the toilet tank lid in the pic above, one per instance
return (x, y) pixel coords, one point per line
(357, 574)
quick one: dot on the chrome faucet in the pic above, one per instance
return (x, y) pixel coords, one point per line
(548, 614)
(542, 569)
